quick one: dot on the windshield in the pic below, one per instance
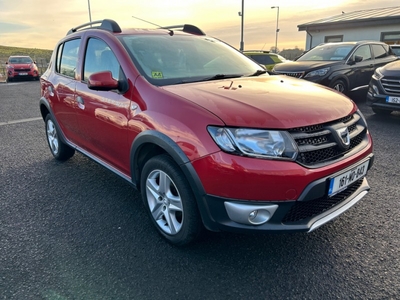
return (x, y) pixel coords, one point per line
(20, 60)
(165, 59)
(327, 52)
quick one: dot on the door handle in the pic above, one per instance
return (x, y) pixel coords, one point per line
(81, 103)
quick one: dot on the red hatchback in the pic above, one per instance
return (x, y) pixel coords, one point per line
(208, 138)
(21, 67)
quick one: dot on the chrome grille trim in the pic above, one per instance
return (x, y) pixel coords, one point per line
(317, 145)
(391, 85)
(292, 74)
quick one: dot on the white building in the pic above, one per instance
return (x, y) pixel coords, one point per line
(380, 24)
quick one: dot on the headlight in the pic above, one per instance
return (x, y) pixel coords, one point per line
(320, 72)
(272, 144)
(377, 74)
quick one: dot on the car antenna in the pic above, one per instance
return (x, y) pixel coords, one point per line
(171, 32)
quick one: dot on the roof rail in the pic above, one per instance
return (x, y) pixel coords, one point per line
(186, 28)
(106, 24)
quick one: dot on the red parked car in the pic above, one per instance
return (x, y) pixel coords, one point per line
(208, 138)
(21, 67)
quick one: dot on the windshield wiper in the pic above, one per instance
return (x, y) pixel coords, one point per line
(259, 72)
(222, 76)
(214, 77)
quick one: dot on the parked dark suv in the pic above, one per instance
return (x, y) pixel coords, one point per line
(384, 89)
(345, 67)
(208, 138)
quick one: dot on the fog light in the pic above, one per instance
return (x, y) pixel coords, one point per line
(258, 217)
(250, 214)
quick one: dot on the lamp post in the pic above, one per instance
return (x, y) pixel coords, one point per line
(241, 14)
(277, 28)
(90, 14)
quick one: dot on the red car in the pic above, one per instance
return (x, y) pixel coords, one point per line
(21, 67)
(208, 138)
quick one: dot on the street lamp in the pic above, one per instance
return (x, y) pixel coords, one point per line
(277, 29)
(241, 14)
(90, 14)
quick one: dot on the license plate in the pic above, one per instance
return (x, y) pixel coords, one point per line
(342, 181)
(22, 73)
(391, 99)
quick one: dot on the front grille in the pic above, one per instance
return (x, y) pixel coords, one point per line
(308, 209)
(320, 143)
(292, 74)
(391, 85)
(22, 70)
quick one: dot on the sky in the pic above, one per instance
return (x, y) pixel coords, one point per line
(41, 23)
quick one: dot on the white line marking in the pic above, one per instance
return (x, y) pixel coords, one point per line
(20, 121)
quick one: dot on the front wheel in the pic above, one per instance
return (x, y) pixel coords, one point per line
(340, 86)
(169, 201)
(58, 148)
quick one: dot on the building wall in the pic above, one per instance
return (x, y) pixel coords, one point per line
(351, 34)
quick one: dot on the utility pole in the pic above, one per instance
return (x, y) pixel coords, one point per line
(90, 14)
(241, 14)
(277, 28)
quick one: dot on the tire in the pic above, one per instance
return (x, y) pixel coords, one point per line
(340, 86)
(58, 148)
(382, 112)
(169, 201)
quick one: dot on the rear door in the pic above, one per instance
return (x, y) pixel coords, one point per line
(63, 101)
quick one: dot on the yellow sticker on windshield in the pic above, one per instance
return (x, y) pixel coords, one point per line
(156, 74)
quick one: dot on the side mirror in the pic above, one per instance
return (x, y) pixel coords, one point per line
(357, 58)
(102, 81)
(6, 62)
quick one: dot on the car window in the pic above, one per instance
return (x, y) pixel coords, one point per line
(364, 51)
(379, 51)
(20, 60)
(396, 50)
(327, 52)
(99, 57)
(263, 59)
(69, 57)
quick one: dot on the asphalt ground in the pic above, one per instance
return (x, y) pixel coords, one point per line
(74, 230)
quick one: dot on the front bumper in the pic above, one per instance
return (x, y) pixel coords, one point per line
(376, 98)
(285, 216)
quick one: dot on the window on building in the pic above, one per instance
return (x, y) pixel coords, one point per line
(391, 38)
(334, 39)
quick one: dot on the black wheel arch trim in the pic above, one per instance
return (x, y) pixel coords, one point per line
(43, 102)
(169, 146)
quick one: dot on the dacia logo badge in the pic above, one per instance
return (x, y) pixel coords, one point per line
(344, 137)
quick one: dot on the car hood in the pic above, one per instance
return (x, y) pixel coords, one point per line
(391, 69)
(266, 101)
(300, 66)
(20, 66)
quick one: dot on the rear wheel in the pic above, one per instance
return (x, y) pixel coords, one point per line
(58, 148)
(169, 201)
(340, 86)
(382, 112)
